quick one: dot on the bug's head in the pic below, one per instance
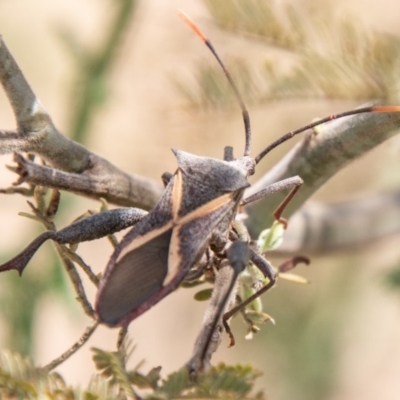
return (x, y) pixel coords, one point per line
(247, 163)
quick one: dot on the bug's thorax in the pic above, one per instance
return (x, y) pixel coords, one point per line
(205, 179)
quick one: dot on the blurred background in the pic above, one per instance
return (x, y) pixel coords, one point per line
(130, 81)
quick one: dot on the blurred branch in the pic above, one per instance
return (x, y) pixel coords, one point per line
(323, 228)
(93, 69)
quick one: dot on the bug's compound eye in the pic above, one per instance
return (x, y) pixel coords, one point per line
(252, 168)
(248, 163)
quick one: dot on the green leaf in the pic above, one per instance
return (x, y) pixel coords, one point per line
(393, 278)
(101, 388)
(271, 238)
(111, 366)
(259, 318)
(175, 384)
(228, 382)
(146, 381)
(203, 295)
(256, 304)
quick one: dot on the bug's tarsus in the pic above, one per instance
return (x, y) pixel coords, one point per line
(20, 261)
(288, 265)
(284, 267)
(242, 306)
(245, 113)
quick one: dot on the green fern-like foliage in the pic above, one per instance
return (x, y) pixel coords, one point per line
(333, 58)
(220, 382)
(284, 29)
(353, 65)
(20, 379)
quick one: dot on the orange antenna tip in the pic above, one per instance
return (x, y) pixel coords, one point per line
(386, 109)
(245, 113)
(192, 25)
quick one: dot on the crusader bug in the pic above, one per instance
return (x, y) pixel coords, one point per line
(193, 218)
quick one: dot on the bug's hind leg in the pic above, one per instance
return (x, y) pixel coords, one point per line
(89, 228)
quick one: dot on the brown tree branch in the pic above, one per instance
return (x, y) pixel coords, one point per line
(37, 134)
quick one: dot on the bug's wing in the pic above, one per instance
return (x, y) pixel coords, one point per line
(147, 267)
(190, 236)
(138, 266)
(133, 278)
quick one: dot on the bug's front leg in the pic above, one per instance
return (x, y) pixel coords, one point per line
(265, 267)
(90, 228)
(293, 183)
(223, 294)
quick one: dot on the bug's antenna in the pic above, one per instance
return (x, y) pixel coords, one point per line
(289, 135)
(245, 113)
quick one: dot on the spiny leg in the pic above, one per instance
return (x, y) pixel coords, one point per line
(90, 228)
